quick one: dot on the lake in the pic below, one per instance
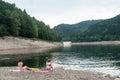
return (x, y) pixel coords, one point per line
(100, 58)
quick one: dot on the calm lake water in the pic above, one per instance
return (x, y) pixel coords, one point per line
(98, 58)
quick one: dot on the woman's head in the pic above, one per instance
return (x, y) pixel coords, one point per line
(48, 60)
(20, 60)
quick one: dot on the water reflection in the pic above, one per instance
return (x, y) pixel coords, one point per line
(98, 51)
(30, 59)
(90, 57)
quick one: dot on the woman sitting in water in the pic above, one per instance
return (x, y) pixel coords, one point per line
(49, 65)
(20, 65)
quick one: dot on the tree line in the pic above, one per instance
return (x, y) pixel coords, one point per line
(106, 30)
(68, 31)
(91, 30)
(15, 22)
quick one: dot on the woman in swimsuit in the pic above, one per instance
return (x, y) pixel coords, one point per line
(21, 67)
(49, 65)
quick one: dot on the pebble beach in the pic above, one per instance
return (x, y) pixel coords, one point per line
(56, 74)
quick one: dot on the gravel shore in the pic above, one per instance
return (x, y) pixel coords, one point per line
(56, 74)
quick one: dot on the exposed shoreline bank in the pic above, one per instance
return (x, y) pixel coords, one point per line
(97, 43)
(13, 45)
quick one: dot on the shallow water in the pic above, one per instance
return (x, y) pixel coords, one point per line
(98, 58)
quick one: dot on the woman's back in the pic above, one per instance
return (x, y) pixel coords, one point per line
(48, 64)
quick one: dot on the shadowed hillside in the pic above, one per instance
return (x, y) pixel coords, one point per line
(106, 30)
(66, 30)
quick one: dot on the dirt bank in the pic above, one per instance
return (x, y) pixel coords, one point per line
(13, 44)
(97, 43)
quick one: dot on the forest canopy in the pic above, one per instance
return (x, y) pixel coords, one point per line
(15, 22)
(92, 30)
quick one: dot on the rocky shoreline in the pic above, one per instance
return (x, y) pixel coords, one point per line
(56, 74)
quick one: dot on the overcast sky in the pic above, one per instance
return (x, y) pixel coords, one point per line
(54, 12)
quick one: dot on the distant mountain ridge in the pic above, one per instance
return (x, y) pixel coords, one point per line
(66, 30)
(106, 30)
(91, 30)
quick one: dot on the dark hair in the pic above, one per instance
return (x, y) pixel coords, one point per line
(20, 60)
(48, 60)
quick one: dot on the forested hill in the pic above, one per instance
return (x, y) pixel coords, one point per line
(66, 30)
(15, 22)
(106, 30)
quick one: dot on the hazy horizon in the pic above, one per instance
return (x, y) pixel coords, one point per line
(70, 11)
